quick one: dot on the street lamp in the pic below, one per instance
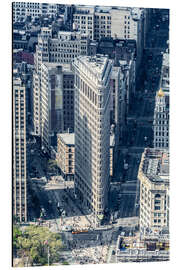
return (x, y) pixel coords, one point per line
(48, 254)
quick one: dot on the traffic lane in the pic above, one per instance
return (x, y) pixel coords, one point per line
(117, 175)
(126, 205)
(67, 204)
(132, 171)
(142, 133)
(129, 206)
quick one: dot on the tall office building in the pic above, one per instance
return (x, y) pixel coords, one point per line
(161, 111)
(57, 102)
(161, 120)
(19, 151)
(60, 50)
(92, 132)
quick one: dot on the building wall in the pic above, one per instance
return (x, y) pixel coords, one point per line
(154, 213)
(19, 151)
(65, 157)
(111, 161)
(36, 104)
(122, 23)
(23, 9)
(68, 101)
(51, 103)
(161, 111)
(62, 49)
(106, 22)
(161, 122)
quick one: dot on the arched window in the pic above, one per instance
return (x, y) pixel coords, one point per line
(157, 196)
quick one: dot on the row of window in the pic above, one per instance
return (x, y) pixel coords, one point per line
(55, 46)
(161, 145)
(159, 220)
(161, 122)
(162, 133)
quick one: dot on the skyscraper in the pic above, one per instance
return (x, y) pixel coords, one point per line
(60, 50)
(19, 151)
(161, 120)
(161, 110)
(92, 132)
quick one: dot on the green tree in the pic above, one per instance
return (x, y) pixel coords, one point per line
(16, 234)
(52, 165)
(35, 242)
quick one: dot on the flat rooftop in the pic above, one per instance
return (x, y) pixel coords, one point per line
(156, 164)
(68, 138)
(65, 66)
(96, 63)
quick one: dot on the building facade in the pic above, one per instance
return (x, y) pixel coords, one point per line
(92, 123)
(63, 48)
(19, 151)
(65, 154)
(116, 22)
(161, 111)
(161, 120)
(153, 175)
(63, 78)
(51, 103)
(36, 104)
(23, 9)
(57, 102)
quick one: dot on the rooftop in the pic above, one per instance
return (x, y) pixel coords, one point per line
(165, 59)
(68, 138)
(97, 64)
(64, 66)
(155, 164)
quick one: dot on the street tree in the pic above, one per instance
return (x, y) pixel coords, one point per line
(37, 243)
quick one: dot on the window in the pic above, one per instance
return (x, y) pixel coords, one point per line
(157, 201)
(157, 207)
